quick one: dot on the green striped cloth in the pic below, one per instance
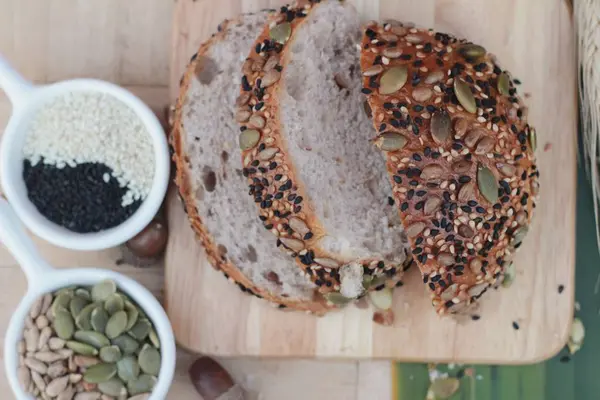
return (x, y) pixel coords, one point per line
(563, 377)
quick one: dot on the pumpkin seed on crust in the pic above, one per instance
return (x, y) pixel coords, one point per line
(509, 275)
(466, 192)
(393, 80)
(267, 154)
(519, 235)
(487, 184)
(471, 52)
(532, 137)
(249, 138)
(298, 225)
(270, 78)
(392, 53)
(414, 229)
(390, 141)
(432, 204)
(464, 95)
(432, 171)
(256, 121)
(504, 84)
(281, 32)
(271, 63)
(292, 244)
(441, 126)
(422, 94)
(374, 70)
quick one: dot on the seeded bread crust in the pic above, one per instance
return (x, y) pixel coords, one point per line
(284, 206)
(466, 182)
(183, 181)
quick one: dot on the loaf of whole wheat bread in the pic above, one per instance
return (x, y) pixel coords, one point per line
(457, 150)
(460, 156)
(321, 191)
(210, 181)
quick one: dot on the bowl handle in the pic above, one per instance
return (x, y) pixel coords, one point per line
(18, 243)
(15, 86)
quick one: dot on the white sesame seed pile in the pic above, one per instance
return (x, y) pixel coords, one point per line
(93, 127)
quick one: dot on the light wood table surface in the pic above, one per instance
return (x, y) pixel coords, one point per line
(127, 42)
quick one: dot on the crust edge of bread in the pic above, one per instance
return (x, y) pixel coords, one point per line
(306, 221)
(184, 188)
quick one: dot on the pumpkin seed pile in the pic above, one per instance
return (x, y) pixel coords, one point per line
(88, 343)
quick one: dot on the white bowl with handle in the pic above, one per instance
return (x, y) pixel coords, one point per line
(43, 278)
(26, 100)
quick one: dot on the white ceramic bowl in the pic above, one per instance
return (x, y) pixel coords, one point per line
(27, 100)
(42, 278)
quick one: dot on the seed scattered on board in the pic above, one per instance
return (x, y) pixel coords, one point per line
(78, 355)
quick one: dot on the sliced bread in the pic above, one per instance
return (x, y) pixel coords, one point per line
(460, 156)
(210, 181)
(318, 188)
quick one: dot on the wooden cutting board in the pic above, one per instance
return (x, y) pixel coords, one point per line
(534, 39)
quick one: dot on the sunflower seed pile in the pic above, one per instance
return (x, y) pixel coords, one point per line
(88, 343)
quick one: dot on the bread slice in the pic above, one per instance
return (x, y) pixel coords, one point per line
(318, 188)
(460, 155)
(209, 178)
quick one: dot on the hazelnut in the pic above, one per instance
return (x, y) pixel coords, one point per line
(213, 382)
(151, 241)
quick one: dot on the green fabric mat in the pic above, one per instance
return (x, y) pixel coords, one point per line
(562, 377)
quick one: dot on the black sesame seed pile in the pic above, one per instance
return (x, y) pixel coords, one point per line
(271, 183)
(460, 155)
(77, 198)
